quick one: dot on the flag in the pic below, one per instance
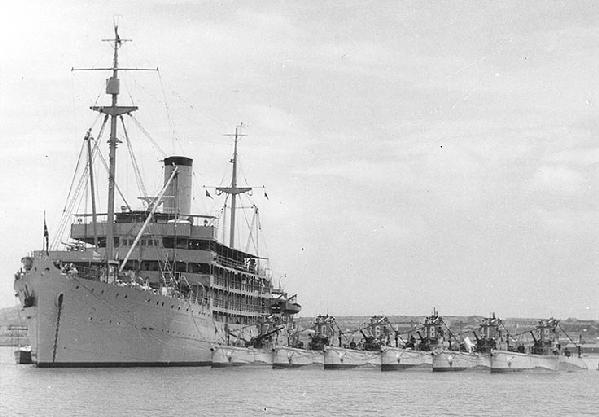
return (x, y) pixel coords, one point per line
(265, 195)
(46, 234)
(208, 194)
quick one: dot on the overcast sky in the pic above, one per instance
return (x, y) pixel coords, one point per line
(415, 154)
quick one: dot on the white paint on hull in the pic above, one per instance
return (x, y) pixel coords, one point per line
(572, 364)
(393, 358)
(288, 357)
(448, 361)
(506, 361)
(101, 324)
(226, 356)
(340, 358)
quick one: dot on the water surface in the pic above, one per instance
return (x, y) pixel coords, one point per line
(29, 391)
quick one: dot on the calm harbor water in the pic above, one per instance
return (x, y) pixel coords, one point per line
(28, 391)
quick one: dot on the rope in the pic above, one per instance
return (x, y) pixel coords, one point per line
(115, 184)
(74, 175)
(567, 335)
(147, 134)
(57, 327)
(136, 170)
(68, 210)
(73, 193)
(168, 113)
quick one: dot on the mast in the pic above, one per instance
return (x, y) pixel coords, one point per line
(233, 190)
(112, 88)
(233, 196)
(88, 138)
(114, 110)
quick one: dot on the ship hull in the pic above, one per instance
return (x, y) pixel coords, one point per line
(342, 358)
(572, 364)
(74, 322)
(398, 359)
(448, 361)
(229, 356)
(288, 357)
(506, 361)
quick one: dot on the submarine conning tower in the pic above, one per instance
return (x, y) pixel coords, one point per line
(178, 194)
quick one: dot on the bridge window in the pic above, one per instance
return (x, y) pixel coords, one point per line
(199, 268)
(199, 244)
(150, 266)
(180, 267)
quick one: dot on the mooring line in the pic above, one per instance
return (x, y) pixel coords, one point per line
(57, 327)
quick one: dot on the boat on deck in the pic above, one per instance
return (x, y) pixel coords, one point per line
(543, 355)
(474, 357)
(415, 354)
(366, 353)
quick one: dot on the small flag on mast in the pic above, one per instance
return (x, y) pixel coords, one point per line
(208, 194)
(266, 195)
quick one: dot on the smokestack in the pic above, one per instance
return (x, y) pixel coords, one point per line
(178, 193)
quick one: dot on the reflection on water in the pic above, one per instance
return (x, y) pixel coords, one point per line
(28, 391)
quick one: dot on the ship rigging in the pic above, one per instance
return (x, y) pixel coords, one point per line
(140, 287)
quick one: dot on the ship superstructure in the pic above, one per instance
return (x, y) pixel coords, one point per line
(415, 354)
(142, 287)
(377, 333)
(492, 334)
(543, 355)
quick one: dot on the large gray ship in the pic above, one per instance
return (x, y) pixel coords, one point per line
(147, 287)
